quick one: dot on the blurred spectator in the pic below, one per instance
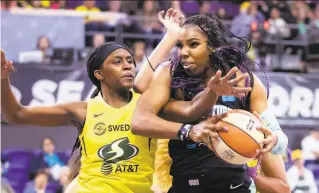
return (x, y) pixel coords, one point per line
(139, 54)
(255, 13)
(98, 40)
(205, 8)
(59, 4)
(91, 23)
(36, 4)
(221, 14)
(310, 146)
(300, 179)
(114, 6)
(48, 160)
(277, 26)
(88, 6)
(241, 24)
(65, 179)
(44, 45)
(7, 5)
(149, 11)
(301, 21)
(258, 50)
(39, 185)
(5, 185)
(314, 27)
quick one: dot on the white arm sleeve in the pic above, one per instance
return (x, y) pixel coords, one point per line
(271, 122)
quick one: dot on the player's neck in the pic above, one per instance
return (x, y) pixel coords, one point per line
(116, 98)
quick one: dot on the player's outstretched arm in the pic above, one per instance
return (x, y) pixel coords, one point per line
(14, 112)
(274, 178)
(172, 22)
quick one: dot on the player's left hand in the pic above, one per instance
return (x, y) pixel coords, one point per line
(228, 85)
(270, 140)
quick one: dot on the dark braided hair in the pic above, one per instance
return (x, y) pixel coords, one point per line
(224, 56)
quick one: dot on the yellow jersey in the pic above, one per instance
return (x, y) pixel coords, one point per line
(113, 159)
(251, 164)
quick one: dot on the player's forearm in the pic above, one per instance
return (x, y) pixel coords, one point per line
(190, 111)
(145, 74)
(202, 104)
(150, 125)
(9, 104)
(270, 185)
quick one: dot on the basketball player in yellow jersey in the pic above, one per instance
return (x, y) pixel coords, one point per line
(118, 160)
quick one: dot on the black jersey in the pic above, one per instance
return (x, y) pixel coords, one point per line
(193, 158)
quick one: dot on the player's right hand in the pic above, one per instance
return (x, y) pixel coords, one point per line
(6, 66)
(206, 131)
(172, 21)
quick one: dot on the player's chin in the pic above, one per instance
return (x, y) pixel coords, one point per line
(128, 84)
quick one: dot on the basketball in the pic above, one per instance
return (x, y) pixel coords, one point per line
(238, 146)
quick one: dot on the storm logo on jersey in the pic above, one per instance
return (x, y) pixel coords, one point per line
(118, 150)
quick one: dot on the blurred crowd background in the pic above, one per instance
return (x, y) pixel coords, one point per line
(50, 40)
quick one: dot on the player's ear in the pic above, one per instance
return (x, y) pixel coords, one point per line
(99, 74)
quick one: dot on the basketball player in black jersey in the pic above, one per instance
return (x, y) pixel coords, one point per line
(204, 51)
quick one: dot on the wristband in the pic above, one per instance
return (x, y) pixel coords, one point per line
(183, 133)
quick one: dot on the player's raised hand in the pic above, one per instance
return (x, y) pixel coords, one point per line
(6, 66)
(228, 85)
(172, 21)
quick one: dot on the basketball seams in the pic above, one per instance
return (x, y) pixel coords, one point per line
(242, 131)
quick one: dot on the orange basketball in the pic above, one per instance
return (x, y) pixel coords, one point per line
(239, 145)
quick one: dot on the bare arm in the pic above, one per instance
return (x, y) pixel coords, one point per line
(14, 112)
(274, 180)
(190, 111)
(145, 121)
(172, 24)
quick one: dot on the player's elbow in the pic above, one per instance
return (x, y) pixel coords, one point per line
(139, 87)
(137, 123)
(12, 118)
(285, 188)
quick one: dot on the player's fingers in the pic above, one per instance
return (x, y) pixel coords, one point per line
(169, 13)
(182, 18)
(216, 118)
(245, 90)
(216, 127)
(174, 15)
(258, 116)
(231, 73)
(207, 141)
(160, 16)
(10, 66)
(215, 78)
(238, 79)
(267, 145)
(265, 130)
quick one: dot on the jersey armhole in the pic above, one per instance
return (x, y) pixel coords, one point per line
(77, 144)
